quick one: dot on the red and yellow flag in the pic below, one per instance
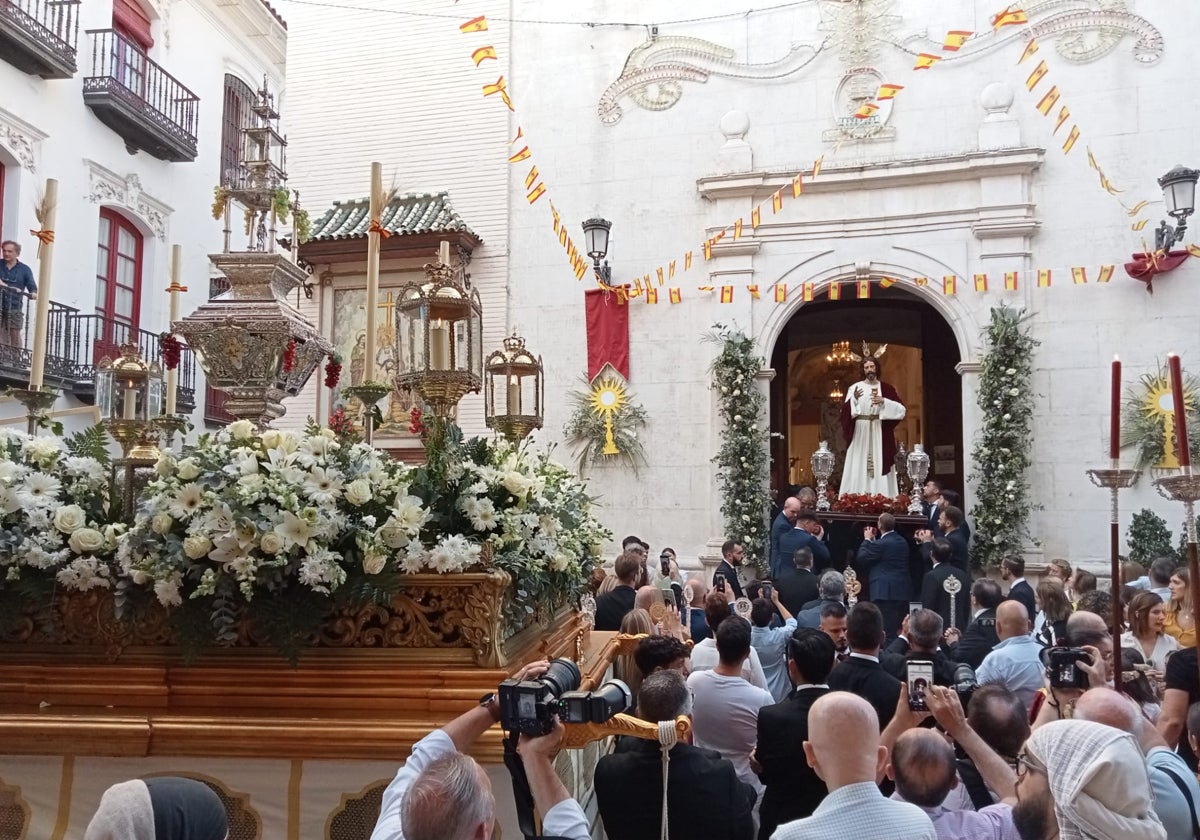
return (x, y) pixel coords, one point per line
(1138, 225)
(1048, 101)
(687, 261)
(660, 275)
(777, 201)
(835, 290)
(704, 288)
(1030, 49)
(1037, 75)
(864, 289)
(755, 217)
(797, 185)
(1010, 17)
(1063, 114)
(886, 282)
(780, 292)
(1043, 278)
(950, 284)
(888, 92)
(809, 290)
(1079, 275)
(1106, 273)
(865, 110)
(1010, 281)
(926, 60)
(478, 24)
(651, 295)
(676, 297)
(562, 236)
(981, 282)
(1071, 138)
(817, 165)
(524, 154)
(708, 249)
(754, 293)
(536, 193)
(1137, 208)
(737, 230)
(727, 294)
(921, 281)
(483, 54)
(955, 38)
(671, 270)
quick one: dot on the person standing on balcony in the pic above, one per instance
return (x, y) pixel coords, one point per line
(17, 280)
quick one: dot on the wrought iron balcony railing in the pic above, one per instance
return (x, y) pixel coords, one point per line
(40, 36)
(139, 100)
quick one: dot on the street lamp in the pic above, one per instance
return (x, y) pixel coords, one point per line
(595, 233)
(517, 374)
(1179, 194)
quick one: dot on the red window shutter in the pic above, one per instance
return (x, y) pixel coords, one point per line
(132, 21)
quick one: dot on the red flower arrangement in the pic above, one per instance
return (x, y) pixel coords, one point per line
(172, 350)
(289, 356)
(866, 503)
(341, 425)
(333, 370)
(415, 426)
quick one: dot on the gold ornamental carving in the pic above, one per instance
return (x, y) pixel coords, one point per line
(578, 735)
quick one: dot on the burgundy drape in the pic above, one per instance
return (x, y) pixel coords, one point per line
(1144, 268)
(607, 332)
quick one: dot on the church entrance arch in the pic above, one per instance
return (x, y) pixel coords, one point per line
(813, 371)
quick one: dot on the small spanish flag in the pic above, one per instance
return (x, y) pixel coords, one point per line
(981, 282)
(1071, 138)
(727, 294)
(1137, 208)
(1037, 75)
(1063, 114)
(1030, 49)
(755, 217)
(866, 110)
(955, 38)
(718, 236)
(777, 201)
(660, 275)
(817, 165)
(921, 281)
(1043, 278)
(1010, 281)
(809, 290)
(687, 261)
(926, 60)
(708, 249)
(737, 230)
(864, 289)
(950, 284)
(704, 288)
(1048, 101)
(797, 185)
(888, 92)
(646, 280)
(1079, 275)
(478, 24)
(886, 282)
(1138, 225)
(835, 290)
(651, 295)
(536, 193)
(531, 177)
(1010, 17)
(754, 293)
(521, 155)
(562, 236)
(1106, 273)
(780, 292)
(636, 291)
(483, 54)
(671, 270)
(676, 297)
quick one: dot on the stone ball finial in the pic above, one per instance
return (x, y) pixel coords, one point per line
(734, 125)
(996, 98)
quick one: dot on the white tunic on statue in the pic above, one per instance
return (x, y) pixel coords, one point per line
(868, 440)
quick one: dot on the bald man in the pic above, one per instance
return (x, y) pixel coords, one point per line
(1167, 768)
(784, 522)
(843, 749)
(1016, 662)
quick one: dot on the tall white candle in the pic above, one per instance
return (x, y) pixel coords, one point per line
(41, 322)
(444, 252)
(514, 395)
(130, 403)
(439, 346)
(373, 244)
(174, 291)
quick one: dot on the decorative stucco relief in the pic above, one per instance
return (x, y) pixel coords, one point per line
(107, 187)
(21, 139)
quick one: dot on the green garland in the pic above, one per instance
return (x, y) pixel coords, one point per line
(1001, 456)
(743, 461)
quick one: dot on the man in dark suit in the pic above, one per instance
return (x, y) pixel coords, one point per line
(861, 673)
(922, 636)
(800, 587)
(884, 556)
(731, 554)
(611, 607)
(952, 528)
(784, 522)
(933, 588)
(831, 589)
(705, 798)
(793, 789)
(1012, 569)
(797, 538)
(973, 644)
(931, 496)
(951, 498)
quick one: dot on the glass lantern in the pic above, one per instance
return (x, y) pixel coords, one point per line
(516, 375)
(129, 394)
(822, 467)
(918, 470)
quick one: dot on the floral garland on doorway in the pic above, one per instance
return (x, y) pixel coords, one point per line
(743, 461)
(1001, 455)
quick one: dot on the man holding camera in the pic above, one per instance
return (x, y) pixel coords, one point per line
(441, 792)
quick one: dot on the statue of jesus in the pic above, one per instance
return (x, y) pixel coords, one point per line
(869, 416)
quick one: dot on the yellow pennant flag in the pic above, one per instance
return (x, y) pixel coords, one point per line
(866, 110)
(1109, 186)
(981, 282)
(1064, 114)
(1138, 225)
(1106, 273)
(1009, 17)
(521, 155)
(483, 54)
(707, 249)
(660, 275)
(562, 236)
(835, 290)
(955, 38)
(1071, 138)
(1043, 278)
(754, 293)
(646, 280)
(888, 92)
(1037, 75)
(797, 185)
(1030, 49)
(1047, 102)
(926, 60)
(520, 134)
(755, 217)
(737, 230)
(478, 24)
(809, 291)
(780, 292)
(864, 289)
(651, 295)
(1137, 208)
(636, 291)
(727, 294)
(921, 281)
(950, 285)
(1010, 281)
(704, 288)
(676, 297)
(687, 261)
(622, 293)
(671, 270)
(718, 236)
(1079, 275)
(1092, 159)
(817, 165)
(777, 201)
(536, 193)
(886, 282)
(1193, 250)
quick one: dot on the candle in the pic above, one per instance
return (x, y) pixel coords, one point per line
(130, 402)
(373, 244)
(41, 322)
(175, 289)
(1181, 438)
(439, 346)
(444, 252)
(1114, 433)
(514, 395)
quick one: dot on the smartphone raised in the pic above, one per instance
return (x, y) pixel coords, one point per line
(919, 677)
(719, 583)
(664, 563)
(767, 590)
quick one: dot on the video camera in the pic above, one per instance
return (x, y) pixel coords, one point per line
(530, 707)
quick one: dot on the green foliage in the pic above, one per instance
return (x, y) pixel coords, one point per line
(1143, 426)
(743, 460)
(1148, 537)
(1001, 456)
(92, 442)
(585, 431)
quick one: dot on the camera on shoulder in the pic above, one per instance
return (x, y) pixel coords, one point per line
(530, 707)
(1062, 663)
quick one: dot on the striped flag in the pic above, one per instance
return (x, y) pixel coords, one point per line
(651, 295)
(660, 275)
(704, 288)
(921, 281)
(950, 284)
(777, 201)
(1010, 281)
(1138, 225)
(754, 293)
(1106, 273)
(865, 110)
(708, 249)
(687, 261)
(1048, 101)
(1043, 278)
(886, 282)
(1037, 75)
(1071, 138)
(562, 236)
(676, 297)
(646, 281)
(483, 54)
(981, 282)
(671, 270)
(1010, 17)
(817, 165)
(1137, 208)
(1030, 49)
(888, 92)
(737, 230)
(955, 38)
(727, 294)
(537, 193)
(809, 290)
(755, 217)
(1063, 114)
(797, 185)
(926, 60)
(478, 24)
(1079, 275)
(864, 289)
(521, 155)
(835, 290)
(780, 292)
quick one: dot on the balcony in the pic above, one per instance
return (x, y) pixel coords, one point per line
(139, 100)
(76, 342)
(39, 37)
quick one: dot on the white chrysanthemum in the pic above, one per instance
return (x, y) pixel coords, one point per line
(12, 472)
(186, 502)
(167, 592)
(469, 505)
(442, 559)
(485, 518)
(38, 490)
(410, 513)
(239, 429)
(42, 449)
(323, 486)
(83, 574)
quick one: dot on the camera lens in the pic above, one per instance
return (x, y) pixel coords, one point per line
(563, 676)
(609, 699)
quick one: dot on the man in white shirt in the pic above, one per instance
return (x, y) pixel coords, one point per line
(442, 792)
(705, 656)
(770, 643)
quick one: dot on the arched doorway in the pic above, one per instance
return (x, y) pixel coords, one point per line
(920, 363)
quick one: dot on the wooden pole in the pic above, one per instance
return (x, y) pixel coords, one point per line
(373, 244)
(41, 323)
(174, 291)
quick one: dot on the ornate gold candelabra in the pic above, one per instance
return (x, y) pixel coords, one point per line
(129, 394)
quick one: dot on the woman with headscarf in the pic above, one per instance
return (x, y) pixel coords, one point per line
(160, 808)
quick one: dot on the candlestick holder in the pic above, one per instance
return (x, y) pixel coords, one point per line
(1116, 480)
(369, 393)
(1185, 487)
(170, 425)
(37, 404)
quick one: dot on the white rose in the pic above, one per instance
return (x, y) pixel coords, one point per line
(187, 469)
(241, 429)
(358, 492)
(271, 543)
(161, 523)
(271, 438)
(69, 518)
(139, 577)
(86, 540)
(393, 534)
(1011, 371)
(1006, 417)
(197, 546)
(1013, 392)
(373, 563)
(328, 434)
(164, 464)
(515, 483)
